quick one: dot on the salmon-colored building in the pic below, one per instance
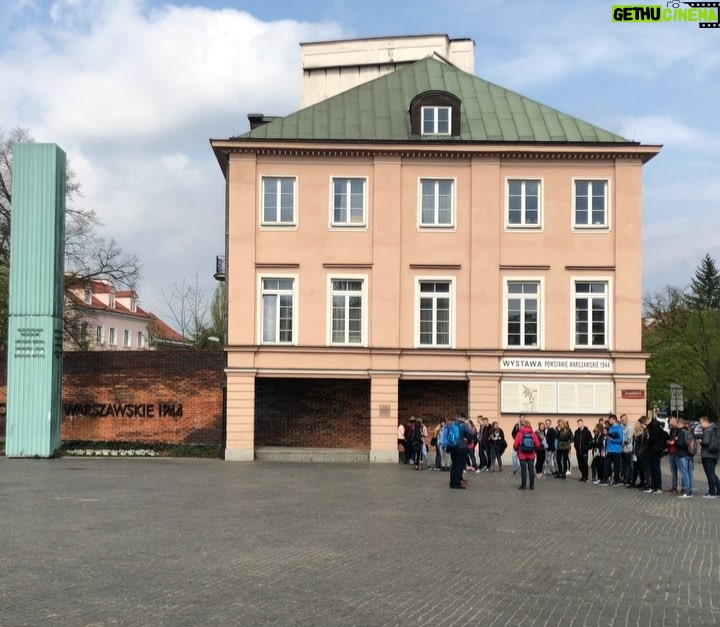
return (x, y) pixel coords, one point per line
(421, 242)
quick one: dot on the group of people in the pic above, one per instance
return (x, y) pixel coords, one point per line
(614, 453)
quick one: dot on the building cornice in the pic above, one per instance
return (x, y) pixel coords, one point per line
(445, 150)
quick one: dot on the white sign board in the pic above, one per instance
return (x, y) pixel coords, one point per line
(556, 397)
(563, 364)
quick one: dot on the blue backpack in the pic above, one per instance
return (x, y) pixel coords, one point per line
(451, 436)
(526, 444)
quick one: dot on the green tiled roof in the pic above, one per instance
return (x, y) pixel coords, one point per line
(378, 111)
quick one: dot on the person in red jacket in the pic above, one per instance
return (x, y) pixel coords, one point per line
(525, 444)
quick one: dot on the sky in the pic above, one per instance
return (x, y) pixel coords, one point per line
(133, 90)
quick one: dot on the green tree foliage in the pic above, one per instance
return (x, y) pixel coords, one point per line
(682, 333)
(705, 285)
(87, 254)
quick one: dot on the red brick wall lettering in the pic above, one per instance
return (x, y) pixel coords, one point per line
(173, 397)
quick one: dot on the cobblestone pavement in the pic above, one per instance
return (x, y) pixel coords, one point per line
(205, 542)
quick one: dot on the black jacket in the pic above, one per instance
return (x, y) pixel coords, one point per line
(551, 436)
(656, 438)
(583, 441)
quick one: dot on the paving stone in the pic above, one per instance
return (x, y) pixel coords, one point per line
(110, 541)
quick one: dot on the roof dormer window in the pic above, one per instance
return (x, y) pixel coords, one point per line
(435, 115)
(436, 120)
(111, 301)
(87, 296)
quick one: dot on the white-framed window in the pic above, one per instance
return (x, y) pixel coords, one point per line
(591, 308)
(111, 301)
(140, 339)
(126, 338)
(278, 311)
(87, 296)
(84, 332)
(112, 339)
(435, 312)
(522, 320)
(133, 304)
(437, 202)
(436, 120)
(99, 334)
(348, 201)
(347, 310)
(278, 200)
(524, 203)
(590, 204)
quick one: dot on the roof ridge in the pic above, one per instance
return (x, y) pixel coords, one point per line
(378, 111)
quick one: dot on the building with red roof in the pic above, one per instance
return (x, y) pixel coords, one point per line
(111, 319)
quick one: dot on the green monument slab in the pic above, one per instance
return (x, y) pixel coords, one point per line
(35, 324)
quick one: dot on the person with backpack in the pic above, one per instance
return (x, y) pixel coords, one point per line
(709, 453)
(685, 448)
(456, 437)
(525, 444)
(583, 442)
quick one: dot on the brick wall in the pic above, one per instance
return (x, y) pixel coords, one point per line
(429, 399)
(173, 397)
(321, 413)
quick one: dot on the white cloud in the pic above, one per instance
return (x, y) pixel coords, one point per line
(132, 93)
(682, 224)
(143, 74)
(664, 129)
(673, 250)
(551, 41)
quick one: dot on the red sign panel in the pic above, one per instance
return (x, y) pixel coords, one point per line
(633, 393)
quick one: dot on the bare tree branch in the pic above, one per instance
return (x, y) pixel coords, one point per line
(88, 256)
